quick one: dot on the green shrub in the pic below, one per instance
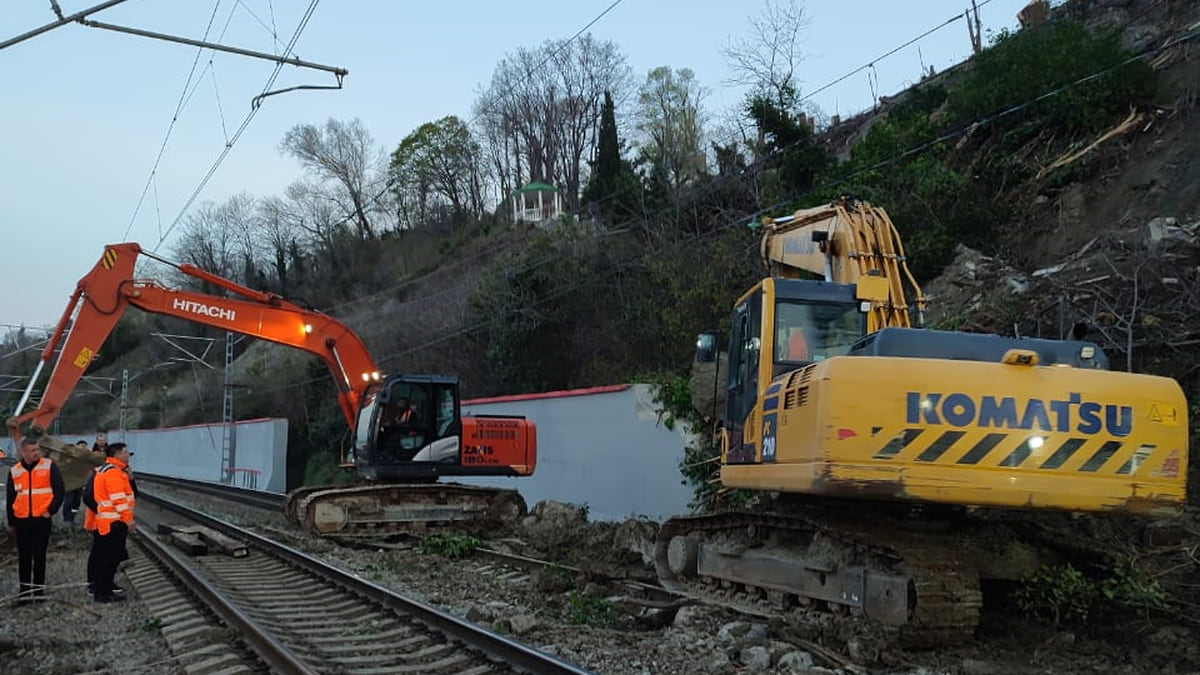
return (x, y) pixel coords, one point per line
(1021, 66)
(1063, 593)
(1130, 587)
(1057, 593)
(452, 546)
(588, 610)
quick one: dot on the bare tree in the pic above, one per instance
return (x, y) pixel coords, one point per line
(218, 238)
(345, 155)
(585, 69)
(766, 59)
(276, 232)
(540, 115)
(314, 213)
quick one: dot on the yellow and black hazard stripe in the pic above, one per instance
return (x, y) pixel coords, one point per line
(1013, 457)
(109, 259)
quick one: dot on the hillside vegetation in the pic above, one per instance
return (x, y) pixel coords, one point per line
(1025, 154)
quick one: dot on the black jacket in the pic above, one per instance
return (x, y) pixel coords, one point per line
(56, 484)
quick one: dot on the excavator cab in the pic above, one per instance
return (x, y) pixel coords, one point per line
(794, 323)
(410, 427)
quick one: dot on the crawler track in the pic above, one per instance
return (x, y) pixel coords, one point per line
(301, 615)
(380, 510)
(944, 597)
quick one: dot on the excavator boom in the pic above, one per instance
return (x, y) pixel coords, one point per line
(846, 243)
(428, 444)
(109, 289)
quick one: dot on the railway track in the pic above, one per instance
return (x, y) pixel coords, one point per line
(270, 501)
(496, 563)
(297, 614)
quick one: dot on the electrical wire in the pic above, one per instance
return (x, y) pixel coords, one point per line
(184, 97)
(241, 128)
(877, 59)
(795, 197)
(389, 183)
(775, 152)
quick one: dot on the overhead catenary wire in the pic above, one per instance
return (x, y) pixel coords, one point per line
(241, 128)
(184, 97)
(270, 29)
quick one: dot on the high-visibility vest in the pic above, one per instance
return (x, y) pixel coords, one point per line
(34, 492)
(797, 346)
(114, 496)
(89, 516)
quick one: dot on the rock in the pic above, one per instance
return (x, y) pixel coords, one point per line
(977, 667)
(655, 618)
(742, 631)
(550, 516)
(637, 535)
(861, 652)
(522, 623)
(1017, 285)
(778, 648)
(1157, 227)
(1164, 229)
(755, 658)
(691, 616)
(477, 614)
(797, 661)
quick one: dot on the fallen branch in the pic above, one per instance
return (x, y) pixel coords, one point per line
(831, 657)
(1134, 118)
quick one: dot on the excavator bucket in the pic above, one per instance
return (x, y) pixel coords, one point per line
(74, 462)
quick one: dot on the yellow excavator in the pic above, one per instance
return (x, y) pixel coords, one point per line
(904, 461)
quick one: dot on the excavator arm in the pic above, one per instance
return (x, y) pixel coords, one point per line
(846, 242)
(102, 296)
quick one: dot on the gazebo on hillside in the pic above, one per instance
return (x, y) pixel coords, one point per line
(536, 202)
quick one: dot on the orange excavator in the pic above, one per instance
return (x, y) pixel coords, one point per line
(407, 430)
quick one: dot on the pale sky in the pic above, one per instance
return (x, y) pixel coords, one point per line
(86, 110)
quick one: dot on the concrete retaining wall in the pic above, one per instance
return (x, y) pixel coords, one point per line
(195, 451)
(602, 447)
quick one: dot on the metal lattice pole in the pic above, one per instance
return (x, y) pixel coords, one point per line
(228, 438)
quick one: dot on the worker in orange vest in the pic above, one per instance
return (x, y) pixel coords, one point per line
(113, 520)
(34, 492)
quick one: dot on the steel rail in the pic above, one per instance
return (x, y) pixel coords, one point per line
(259, 498)
(270, 650)
(518, 655)
(272, 500)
